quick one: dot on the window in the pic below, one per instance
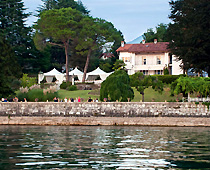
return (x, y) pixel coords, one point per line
(158, 60)
(145, 72)
(145, 61)
(126, 59)
(158, 72)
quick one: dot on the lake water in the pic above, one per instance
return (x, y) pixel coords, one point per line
(102, 147)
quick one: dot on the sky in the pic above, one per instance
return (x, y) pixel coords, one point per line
(131, 17)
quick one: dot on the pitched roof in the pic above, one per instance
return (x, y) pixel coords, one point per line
(107, 55)
(147, 47)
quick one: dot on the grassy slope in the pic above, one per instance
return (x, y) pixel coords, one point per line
(74, 94)
(149, 95)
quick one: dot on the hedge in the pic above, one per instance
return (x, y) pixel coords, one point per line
(168, 79)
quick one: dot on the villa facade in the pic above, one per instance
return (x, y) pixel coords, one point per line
(149, 58)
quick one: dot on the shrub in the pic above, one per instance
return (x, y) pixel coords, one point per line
(38, 93)
(35, 93)
(35, 86)
(165, 71)
(167, 79)
(15, 84)
(27, 81)
(64, 85)
(72, 88)
(49, 96)
(21, 96)
(24, 90)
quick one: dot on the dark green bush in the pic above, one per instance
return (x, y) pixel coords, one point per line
(72, 88)
(49, 96)
(15, 84)
(35, 93)
(165, 71)
(64, 85)
(21, 96)
(168, 79)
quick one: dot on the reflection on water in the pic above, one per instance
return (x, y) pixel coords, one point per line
(99, 147)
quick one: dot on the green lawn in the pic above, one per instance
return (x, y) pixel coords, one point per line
(150, 94)
(83, 94)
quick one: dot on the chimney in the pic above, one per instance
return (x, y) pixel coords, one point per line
(155, 41)
(122, 43)
(143, 41)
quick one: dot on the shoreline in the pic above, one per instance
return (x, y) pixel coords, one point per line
(107, 114)
(107, 121)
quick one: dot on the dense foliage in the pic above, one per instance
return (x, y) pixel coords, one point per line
(59, 25)
(84, 48)
(160, 34)
(141, 82)
(190, 33)
(187, 85)
(168, 79)
(117, 87)
(26, 81)
(9, 68)
(35, 93)
(58, 4)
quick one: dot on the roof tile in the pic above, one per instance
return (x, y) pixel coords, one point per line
(147, 47)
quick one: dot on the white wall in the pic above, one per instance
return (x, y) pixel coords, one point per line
(176, 70)
(136, 62)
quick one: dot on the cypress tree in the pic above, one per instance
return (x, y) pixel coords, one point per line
(13, 28)
(9, 68)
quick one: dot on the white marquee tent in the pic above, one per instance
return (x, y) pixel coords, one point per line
(76, 72)
(49, 76)
(98, 72)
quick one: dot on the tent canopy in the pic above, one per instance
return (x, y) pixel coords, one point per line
(76, 71)
(98, 72)
(49, 76)
(53, 72)
(95, 72)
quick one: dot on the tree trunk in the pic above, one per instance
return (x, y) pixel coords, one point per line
(66, 45)
(88, 59)
(142, 97)
(86, 65)
(188, 97)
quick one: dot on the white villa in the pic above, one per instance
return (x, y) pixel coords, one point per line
(149, 58)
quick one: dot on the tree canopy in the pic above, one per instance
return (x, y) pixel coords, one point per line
(58, 4)
(160, 34)
(94, 33)
(57, 27)
(117, 87)
(190, 33)
(9, 68)
(141, 82)
(189, 85)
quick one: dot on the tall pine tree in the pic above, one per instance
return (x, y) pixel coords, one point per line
(9, 68)
(13, 28)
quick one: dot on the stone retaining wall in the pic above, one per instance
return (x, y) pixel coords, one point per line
(109, 109)
(116, 113)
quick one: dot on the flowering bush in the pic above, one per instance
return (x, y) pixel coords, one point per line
(35, 92)
(24, 90)
(35, 86)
